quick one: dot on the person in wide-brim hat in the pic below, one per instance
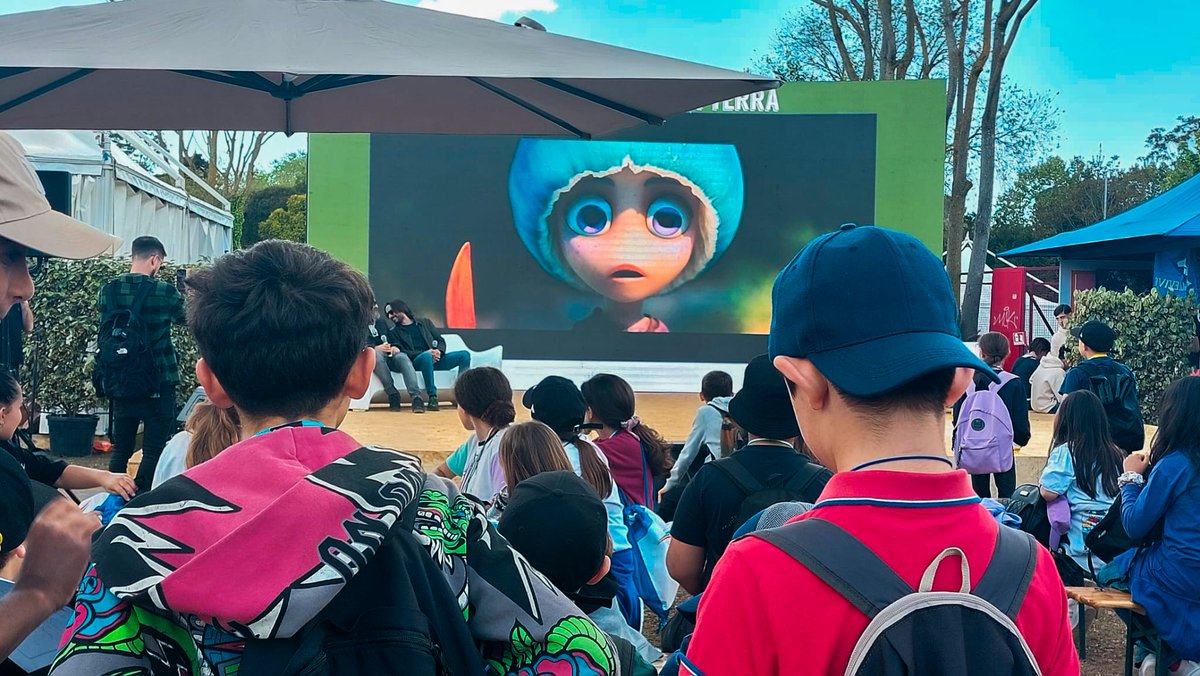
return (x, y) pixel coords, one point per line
(762, 407)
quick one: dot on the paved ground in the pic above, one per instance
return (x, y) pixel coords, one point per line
(432, 436)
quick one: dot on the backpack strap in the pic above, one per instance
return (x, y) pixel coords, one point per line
(139, 300)
(1005, 378)
(803, 478)
(841, 561)
(739, 475)
(1010, 572)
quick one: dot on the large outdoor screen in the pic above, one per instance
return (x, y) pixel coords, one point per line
(583, 249)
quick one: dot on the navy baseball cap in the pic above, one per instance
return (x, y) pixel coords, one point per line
(904, 322)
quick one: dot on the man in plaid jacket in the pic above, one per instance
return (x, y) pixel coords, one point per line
(162, 308)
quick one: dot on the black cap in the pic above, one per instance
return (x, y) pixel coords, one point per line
(557, 522)
(763, 407)
(16, 503)
(557, 402)
(1096, 335)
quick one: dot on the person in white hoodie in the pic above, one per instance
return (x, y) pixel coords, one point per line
(1044, 384)
(703, 442)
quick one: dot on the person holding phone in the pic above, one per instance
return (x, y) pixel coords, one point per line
(417, 339)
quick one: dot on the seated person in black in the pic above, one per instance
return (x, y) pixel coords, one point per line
(727, 492)
(1024, 367)
(40, 468)
(420, 341)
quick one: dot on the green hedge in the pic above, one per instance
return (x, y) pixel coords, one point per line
(65, 322)
(1154, 333)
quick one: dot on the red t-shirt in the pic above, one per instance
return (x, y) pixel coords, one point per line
(764, 613)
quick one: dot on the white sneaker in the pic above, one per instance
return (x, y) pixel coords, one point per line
(1187, 668)
(1148, 664)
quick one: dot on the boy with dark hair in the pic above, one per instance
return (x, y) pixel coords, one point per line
(158, 305)
(1024, 367)
(1110, 380)
(282, 542)
(703, 442)
(870, 394)
(420, 341)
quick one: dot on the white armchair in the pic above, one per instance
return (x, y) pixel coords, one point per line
(443, 379)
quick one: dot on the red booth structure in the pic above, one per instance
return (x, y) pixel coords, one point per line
(1008, 310)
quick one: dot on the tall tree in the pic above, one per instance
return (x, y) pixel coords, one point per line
(1176, 152)
(1004, 28)
(920, 39)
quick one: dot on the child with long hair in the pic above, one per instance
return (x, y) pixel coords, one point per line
(1163, 486)
(1083, 465)
(637, 454)
(485, 408)
(208, 431)
(993, 349)
(38, 467)
(557, 402)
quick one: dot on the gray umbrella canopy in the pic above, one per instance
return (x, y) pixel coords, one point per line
(331, 66)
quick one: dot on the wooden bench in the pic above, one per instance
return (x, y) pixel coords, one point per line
(1137, 624)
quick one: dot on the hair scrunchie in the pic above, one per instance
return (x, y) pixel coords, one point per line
(633, 422)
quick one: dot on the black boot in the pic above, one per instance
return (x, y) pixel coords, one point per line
(394, 402)
(433, 403)
(418, 406)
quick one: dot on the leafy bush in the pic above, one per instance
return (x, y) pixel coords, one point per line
(65, 322)
(1154, 333)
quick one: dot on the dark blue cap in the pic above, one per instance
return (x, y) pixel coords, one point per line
(871, 308)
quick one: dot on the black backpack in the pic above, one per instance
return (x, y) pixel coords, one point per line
(396, 616)
(970, 631)
(759, 496)
(1028, 504)
(1108, 538)
(125, 367)
(1117, 390)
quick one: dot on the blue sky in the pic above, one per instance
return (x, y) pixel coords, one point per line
(1116, 73)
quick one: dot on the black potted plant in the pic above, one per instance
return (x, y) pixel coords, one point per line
(64, 308)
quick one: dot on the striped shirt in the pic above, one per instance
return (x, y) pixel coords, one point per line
(162, 308)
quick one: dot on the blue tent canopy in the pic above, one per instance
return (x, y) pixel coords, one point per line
(1169, 221)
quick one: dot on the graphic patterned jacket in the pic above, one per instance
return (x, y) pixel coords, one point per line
(240, 547)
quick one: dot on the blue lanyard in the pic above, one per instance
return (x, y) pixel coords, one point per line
(899, 458)
(298, 423)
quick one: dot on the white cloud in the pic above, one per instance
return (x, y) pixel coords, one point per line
(489, 9)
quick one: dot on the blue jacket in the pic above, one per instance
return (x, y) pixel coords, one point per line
(1165, 578)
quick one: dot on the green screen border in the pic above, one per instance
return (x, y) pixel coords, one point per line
(909, 163)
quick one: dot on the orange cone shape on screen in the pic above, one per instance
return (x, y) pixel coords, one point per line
(460, 292)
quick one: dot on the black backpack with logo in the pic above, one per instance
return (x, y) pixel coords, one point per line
(1117, 390)
(125, 367)
(759, 496)
(398, 615)
(921, 631)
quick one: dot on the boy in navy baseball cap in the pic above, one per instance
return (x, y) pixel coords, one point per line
(870, 391)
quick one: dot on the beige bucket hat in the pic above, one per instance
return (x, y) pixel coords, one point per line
(26, 217)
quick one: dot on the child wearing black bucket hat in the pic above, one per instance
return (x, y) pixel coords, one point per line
(870, 391)
(727, 492)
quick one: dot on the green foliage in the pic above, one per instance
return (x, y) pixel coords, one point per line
(290, 223)
(1057, 195)
(66, 319)
(1154, 333)
(290, 171)
(1176, 152)
(259, 206)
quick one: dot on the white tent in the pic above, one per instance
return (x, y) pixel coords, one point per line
(112, 192)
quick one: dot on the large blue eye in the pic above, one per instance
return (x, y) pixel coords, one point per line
(667, 217)
(590, 216)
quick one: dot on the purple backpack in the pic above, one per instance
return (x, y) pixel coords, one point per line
(983, 439)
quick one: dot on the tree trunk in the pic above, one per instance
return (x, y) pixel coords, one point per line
(1003, 41)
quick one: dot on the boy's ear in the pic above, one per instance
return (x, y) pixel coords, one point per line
(604, 567)
(359, 378)
(962, 380)
(213, 389)
(807, 385)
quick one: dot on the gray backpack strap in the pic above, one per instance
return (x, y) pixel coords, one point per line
(1010, 571)
(841, 561)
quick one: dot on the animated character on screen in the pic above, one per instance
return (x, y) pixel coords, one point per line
(627, 220)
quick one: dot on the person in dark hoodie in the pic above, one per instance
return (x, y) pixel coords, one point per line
(249, 555)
